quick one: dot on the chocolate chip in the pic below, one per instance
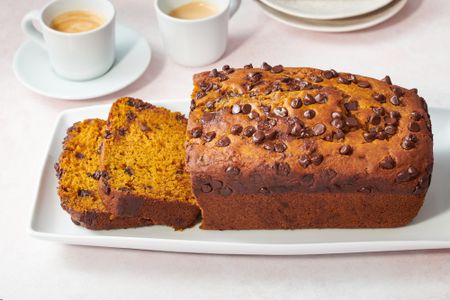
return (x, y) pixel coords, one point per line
(379, 97)
(321, 98)
(206, 188)
(327, 74)
(352, 105)
(79, 155)
(265, 66)
(296, 103)
(271, 135)
(254, 76)
(246, 109)
(143, 127)
(236, 129)
(339, 134)
(416, 116)
(277, 69)
(387, 79)
(395, 100)
(407, 144)
(249, 130)
(196, 132)
(253, 115)
(249, 66)
(105, 187)
(387, 163)
(414, 126)
(391, 130)
(207, 117)
(282, 168)
(398, 91)
(192, 106)
(316, 159)
(200, 95)
(413, 172)
(96, 175)
(235, 109)
(309, 114)
(365, 189)
(227, 69)
(369, 136)
(379, 111)
(131, 116)
(258, 137)
(309, 99)
(363, 84)
(223, 141)
(226, 191)
(108, 134)
(343, 80)
(391, 121)
(209, 136)
(129, 171)
(336, 115)
(382, 135)
(304, 161)
(122, 131)
(351, 122)
(265, 109)
(337, 123)
(296, 130)
(280, 147)
(58, 170)
(268, 147)
(319, 129)
(232, 171)
(375, 120)
(84, 193)
(403, 176)
(213, 73)
(280, 111)
(216, 184)
(316, 79)
(346, 150)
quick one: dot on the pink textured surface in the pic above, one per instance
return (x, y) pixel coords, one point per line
(412, 47)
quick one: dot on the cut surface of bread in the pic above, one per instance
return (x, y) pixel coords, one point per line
(143, 165)
(78, 171)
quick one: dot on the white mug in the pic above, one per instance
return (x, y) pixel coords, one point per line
(196, 42)
(75, 56)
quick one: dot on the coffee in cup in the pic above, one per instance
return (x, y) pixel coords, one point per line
(193, 10)
(76, 21)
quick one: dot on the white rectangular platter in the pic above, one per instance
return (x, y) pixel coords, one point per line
(429, 230)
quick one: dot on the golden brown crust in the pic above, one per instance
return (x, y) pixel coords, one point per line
(275, 130)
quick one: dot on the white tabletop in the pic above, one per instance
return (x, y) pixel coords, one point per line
(413, 47)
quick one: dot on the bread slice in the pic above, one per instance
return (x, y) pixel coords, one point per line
(78, 173)
(143, 165)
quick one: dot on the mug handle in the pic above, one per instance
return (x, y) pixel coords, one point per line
(30, 29)
(234, 5)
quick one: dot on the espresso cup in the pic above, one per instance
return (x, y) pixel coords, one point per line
(195, 42)
(75, 56)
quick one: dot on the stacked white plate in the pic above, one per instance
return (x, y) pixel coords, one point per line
(331, 15)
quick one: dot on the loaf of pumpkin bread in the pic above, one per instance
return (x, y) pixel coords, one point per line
(276, 147)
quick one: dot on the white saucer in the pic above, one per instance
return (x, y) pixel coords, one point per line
(32, 68)
(326, 9)
(341, 25)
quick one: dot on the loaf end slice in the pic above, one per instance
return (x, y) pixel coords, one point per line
(78, 172)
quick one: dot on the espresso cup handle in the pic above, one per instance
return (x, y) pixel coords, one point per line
(234, 5)
(30, 29)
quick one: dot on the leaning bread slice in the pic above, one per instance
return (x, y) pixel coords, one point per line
(143, 165)
(78, 173)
